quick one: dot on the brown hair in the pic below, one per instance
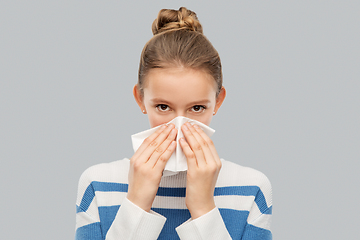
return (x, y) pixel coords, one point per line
(178, 41)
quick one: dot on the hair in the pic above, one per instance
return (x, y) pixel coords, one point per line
(179, 41)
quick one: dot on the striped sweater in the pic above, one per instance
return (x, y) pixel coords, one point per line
(242, 198)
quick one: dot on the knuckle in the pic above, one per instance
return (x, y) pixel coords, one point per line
(210, 142)
(147, 140)
(154, 143)
(137, 165)
(204, 143)
(159, 150)
(197, 147)
(170, 137)
(165, 132)
(191, 155)
(212, 168)
(162, 159)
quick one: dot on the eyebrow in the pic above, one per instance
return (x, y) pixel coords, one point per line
(204, 101)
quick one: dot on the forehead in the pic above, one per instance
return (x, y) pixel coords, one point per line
(179, 85)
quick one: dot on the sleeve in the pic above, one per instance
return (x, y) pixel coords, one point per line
(131, 222)
(208, 226)
(259, 219)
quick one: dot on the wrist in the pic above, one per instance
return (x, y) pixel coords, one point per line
(137, 201)
(200, 211)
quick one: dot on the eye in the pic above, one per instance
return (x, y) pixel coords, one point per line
(163, 107)
(198, 108)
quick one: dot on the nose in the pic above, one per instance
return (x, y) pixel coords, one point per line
(180, 114)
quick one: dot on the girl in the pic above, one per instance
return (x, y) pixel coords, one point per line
(179, 75)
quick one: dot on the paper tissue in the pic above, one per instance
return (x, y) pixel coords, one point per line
(177, 161)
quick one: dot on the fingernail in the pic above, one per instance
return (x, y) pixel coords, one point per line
(196, 126)
(185, 127)
(173, 131)
(163, 127)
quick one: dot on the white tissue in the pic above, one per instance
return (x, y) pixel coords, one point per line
(177, 161)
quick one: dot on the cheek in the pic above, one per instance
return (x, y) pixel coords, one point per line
(154, 118)
(205, 119)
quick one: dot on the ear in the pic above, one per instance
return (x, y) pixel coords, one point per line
(220, 99)
(139, 98)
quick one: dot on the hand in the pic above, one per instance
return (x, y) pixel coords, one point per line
(147, 165)
(203, 169)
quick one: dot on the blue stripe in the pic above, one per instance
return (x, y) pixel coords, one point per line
(101, 187)
(237, 190)
(107, 216)
(110, 187)
(252, 232)
(174, 218)
(78, 209)
(91, 231)
(86, 200)
(261, 202)
(246, 191)
(173, 192)
(268, 211)
(235, 221)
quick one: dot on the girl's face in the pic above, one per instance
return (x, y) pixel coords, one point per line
(172, 92)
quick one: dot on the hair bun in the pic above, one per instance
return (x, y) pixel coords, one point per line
(169, 19)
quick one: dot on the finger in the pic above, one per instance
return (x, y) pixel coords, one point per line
(189, 154)
(152, 146)
(162, 160)
(202, 138)
(209, 143)
(147, 141)
(162, 148)
(194, 145)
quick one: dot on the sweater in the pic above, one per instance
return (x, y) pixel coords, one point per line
(243, 199)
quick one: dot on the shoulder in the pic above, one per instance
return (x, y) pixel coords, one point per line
(234, 172)
(115, 171)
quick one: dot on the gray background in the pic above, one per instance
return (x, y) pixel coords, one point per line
(291, 69)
